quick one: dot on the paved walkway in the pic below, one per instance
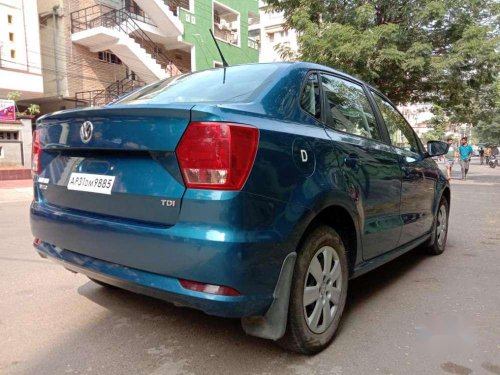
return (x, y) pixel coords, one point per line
(16, 190)
(478, 174)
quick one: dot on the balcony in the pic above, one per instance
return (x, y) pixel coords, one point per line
(226, 24)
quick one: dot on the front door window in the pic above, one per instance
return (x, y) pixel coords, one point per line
(400, 132)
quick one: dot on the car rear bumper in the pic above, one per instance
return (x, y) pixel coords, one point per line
(154, 285)
(151, 259)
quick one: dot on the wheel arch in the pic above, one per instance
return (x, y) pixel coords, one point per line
(339, 218)
(447, 194)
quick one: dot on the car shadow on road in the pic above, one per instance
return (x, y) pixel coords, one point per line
(150, 336)
(366, 287)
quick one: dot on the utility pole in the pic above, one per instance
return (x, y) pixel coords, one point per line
(54, 36)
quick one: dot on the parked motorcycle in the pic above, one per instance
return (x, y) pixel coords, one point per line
(493, 161)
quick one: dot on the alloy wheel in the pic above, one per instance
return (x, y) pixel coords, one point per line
(442, 225)
(322, 289)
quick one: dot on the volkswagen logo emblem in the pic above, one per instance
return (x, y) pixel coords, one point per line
(86, 131)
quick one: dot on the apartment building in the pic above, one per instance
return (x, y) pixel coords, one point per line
(275, 38)
(419, 116)
(20, 65)
(20, 72)
(94, 51)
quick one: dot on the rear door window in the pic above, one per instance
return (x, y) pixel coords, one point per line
(348, 108)
(310, 97)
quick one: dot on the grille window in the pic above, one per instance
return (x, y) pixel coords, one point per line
(173, 4)
(9, 136)
(109, 57)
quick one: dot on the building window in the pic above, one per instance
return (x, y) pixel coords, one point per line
(9, 18)
(271, 37)
(226, 24)
(11, 37)
(254, 39)
(276, 15)
(12, 53)
(109, 57)
(9, 136)
(184, 4)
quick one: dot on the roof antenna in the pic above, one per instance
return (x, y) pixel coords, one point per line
(224, 62)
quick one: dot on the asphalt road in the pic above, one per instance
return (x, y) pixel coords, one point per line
(416, 315)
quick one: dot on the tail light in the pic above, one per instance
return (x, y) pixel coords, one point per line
(36, 153)
(209, 288)
(219, 156)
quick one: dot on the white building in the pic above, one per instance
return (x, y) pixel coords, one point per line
(419, 116)
(20, 62)
(21, 71)
(274, 35)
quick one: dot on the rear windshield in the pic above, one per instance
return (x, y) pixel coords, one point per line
(232, 84)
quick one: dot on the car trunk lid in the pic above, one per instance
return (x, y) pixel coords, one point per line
(117, 161)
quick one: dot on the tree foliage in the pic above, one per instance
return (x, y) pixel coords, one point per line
(486, 109)
(440, 123)
(412, 50)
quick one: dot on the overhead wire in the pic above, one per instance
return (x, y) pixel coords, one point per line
(46, 69)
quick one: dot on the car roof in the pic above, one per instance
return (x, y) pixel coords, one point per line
(314, 66)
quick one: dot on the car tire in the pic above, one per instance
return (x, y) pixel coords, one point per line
(102, 283)
(312, 323)
(440, 229)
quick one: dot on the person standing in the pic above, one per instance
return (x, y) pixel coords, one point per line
(487, 153)
(481, 156)
(450, 157)
(465, 151)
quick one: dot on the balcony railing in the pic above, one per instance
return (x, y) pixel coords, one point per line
(253, 43)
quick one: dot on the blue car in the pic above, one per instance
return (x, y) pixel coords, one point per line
(253, 191)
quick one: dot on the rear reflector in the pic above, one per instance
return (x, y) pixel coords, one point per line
(209, 288)
(217, 155)
(36, 153)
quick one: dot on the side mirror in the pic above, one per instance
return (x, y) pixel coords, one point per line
(437, 148)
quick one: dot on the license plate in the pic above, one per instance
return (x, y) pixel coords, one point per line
(92, 183)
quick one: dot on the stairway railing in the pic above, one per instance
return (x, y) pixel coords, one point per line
(120, 19)
(94, 98)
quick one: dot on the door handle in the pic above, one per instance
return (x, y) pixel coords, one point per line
(352, 161)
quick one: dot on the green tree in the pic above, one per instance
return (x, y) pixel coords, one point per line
(440, 122)
(412, 50)
(485, 110)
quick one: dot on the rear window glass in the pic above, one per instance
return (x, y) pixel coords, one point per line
(232, 84)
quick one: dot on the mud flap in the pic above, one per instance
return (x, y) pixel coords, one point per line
(273, 324)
